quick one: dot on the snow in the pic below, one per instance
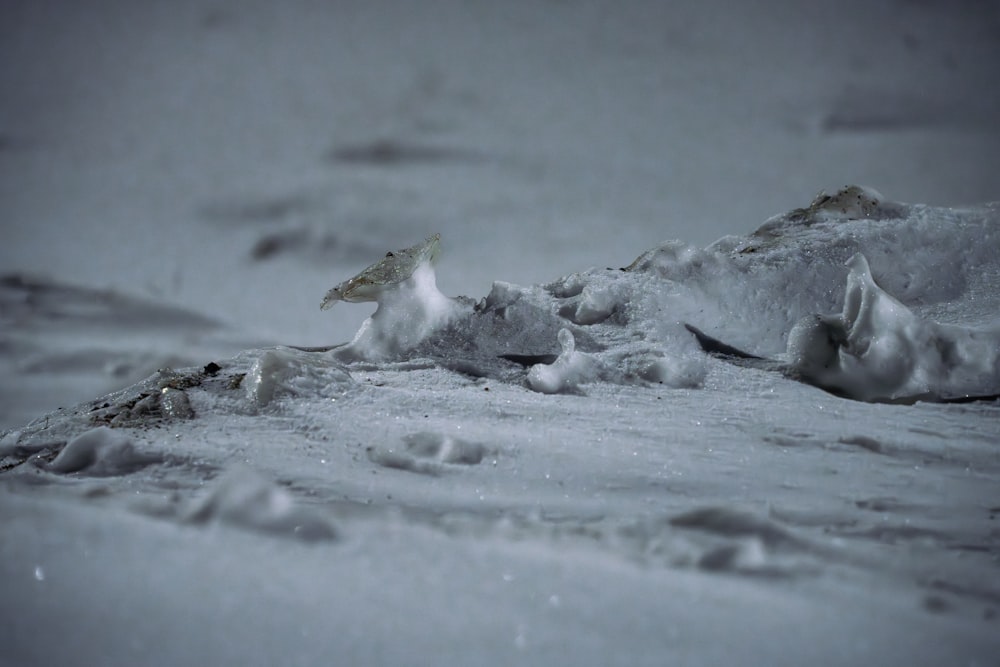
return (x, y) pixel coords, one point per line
(201, 466)
(245, 500)
(879, 350)
(287, 372)
(567, 372)
(436, 490)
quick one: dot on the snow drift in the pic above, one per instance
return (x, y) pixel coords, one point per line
(768, 287)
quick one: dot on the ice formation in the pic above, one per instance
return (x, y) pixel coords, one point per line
(878, 349)
(410, 307)
(567, 372)
(284, 371)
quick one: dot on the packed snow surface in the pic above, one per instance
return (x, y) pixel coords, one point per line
(556, 473)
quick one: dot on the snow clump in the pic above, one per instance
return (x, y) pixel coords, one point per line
(879, 350)
(570, 369)
(100, 451)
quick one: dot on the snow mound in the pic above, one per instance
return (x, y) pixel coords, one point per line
(100, 451)
(747, 556)
(62, 343)
(244, 499)
(852, 202)
(761, 292)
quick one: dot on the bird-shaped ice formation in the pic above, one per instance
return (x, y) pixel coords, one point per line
(410, 306)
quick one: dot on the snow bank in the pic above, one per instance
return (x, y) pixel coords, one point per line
(760, 292)
(936, 338)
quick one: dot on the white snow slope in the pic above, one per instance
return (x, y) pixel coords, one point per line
(283, 506)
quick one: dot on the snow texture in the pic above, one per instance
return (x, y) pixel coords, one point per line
(435, 471)
(99, 451)
(201, 467)
(285, 372)
(245, 500)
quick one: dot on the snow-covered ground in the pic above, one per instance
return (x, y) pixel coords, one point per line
(180, 184)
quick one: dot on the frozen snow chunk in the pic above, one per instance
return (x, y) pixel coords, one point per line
(502, 295)
(410, 307)
(288, 372)
(568, 286)
(175, 403)
(879, 350)
(567, 372)
(244, 499)
(593, 306)
(100, 451)
(424, 452)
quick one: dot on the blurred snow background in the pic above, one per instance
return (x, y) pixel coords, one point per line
(239, 158)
